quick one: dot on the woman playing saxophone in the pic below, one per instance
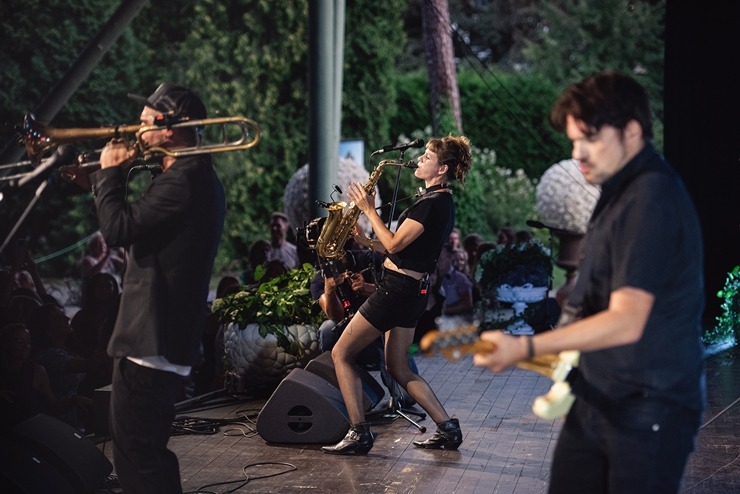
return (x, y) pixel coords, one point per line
(411, 253)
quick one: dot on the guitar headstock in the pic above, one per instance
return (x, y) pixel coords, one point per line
(455, 344)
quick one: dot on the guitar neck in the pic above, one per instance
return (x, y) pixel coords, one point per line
(456, 344)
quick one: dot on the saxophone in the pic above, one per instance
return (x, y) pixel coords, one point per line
(342, 217)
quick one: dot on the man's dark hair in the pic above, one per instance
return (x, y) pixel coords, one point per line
(606, 98)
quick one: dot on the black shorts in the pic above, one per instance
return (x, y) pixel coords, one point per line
(397, 303)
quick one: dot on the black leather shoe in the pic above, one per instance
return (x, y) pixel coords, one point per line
(447, 436)
(358, 441)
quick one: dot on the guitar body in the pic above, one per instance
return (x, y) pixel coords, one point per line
(560, 368)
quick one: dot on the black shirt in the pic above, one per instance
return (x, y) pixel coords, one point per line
(436, 211)
(645, 233)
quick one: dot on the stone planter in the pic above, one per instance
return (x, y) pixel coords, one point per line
(261, 361)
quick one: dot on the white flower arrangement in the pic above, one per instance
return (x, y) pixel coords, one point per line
(564, 199)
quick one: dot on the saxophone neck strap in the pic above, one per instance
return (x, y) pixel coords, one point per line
(433, 188)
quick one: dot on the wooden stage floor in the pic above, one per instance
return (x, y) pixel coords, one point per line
(506, 448)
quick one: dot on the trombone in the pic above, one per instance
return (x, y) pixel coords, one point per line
(39, 139)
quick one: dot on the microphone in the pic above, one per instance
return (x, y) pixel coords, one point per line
(64, 155)
(417, 143)
(411, 164)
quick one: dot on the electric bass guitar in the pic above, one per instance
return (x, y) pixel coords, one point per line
(455, 344)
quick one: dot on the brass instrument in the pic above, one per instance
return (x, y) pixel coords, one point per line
(342, 217)
(39, 139)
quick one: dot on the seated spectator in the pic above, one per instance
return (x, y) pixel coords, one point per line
(20, 275)
(50, 328)
(523, 236)
(280, 248)
(92, 327)
(458, 288)
(258, 252)
(99, 258)
(24, 385)
(448, 249)
(505, 235)
(470, 244)
(20, 308)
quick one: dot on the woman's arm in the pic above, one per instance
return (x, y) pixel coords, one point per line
(391, 242)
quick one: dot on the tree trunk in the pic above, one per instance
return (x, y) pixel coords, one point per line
(445, 96)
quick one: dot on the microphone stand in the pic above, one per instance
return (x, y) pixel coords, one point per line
(394, 408)
(36, 196)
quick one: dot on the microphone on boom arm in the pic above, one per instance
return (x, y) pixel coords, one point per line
(417, 143)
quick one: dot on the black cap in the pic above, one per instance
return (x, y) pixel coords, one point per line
(174, 100)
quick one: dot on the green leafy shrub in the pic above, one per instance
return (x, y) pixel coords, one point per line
(282, 301)
(728, 322)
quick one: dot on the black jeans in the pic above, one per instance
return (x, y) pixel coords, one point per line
(640, 446)
(141, 413)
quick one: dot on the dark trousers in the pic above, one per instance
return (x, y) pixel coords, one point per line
(639, 447)
(141, 413)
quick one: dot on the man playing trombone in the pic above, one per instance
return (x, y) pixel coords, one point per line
(171, 235)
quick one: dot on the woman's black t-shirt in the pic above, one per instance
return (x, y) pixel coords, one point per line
(436, 211)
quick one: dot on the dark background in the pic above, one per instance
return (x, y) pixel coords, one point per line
(702, 134)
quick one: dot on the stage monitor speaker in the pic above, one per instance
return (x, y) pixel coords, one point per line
(63, 447)
(23, 470)
(303, 409)
(372, 391)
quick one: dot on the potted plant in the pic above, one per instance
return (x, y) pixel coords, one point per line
(517, 273)
(271, 326)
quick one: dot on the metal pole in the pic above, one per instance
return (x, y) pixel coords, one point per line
(323, 135)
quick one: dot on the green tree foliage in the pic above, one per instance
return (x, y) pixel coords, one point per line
(370, 54)
(38, 47)
(508, 113)
(580, 37)
(249, 58)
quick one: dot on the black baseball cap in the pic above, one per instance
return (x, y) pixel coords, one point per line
(174, 100)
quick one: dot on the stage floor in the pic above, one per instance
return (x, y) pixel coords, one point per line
(506, 448)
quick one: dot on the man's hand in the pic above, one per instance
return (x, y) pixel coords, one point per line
(116, 153)
(77, 175)
(508, 350)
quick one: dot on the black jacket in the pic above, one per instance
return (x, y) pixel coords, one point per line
(171, 235)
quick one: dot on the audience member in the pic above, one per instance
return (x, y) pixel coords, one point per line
(458, 288)
(523, 236)
(20, 276)
(98, 258)
(448, 249)
(50, 329)
(505, 236)
(208, 375)
(92, 327)
(471, 243)
(259, 251)
(280, 248)
(24, 385)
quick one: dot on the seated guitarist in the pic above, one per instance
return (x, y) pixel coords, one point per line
(635, 311)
